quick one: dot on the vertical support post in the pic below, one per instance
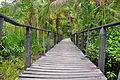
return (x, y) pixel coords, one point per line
(43, 41)
(76, 39)
(54, 38)
(102, 54)
(27, 48)
(48, 45)
(73, 38)
(82, 41)
(1, 25)
(118, 76)
(87, 42)
(58, 38)
(61, 37)
(70, 36)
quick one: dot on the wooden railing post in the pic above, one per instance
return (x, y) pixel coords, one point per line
(58, 37)
(54, 38)
(27, 48)
(71, 37)
(48, 45)
(102, 54)
(76, 39)
(1, 25)
(87, 42)
(82, 41)
(118, 76)
(43, 41)
(61, 37)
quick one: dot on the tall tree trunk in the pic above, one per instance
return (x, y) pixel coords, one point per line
(35, 19)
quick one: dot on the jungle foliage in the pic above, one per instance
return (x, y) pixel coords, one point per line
(64, 17)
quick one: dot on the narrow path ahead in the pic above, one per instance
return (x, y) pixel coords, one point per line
(63, 62)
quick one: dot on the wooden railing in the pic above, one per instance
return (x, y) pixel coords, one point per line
(102, 48)
(56, 37)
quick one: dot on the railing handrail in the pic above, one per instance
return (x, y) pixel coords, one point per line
(9, 20)
(102, 48)
(27, 62)
(99, 27)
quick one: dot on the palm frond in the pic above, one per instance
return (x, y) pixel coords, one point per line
(58, 3)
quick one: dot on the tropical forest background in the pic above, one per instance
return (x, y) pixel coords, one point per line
(64, 17)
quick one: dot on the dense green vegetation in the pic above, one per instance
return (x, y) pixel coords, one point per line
(63, 16)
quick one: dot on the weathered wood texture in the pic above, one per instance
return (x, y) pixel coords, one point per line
(1, 24)
(48, 45)
(77, 40)
(43, 41)
(27, 48)
(82, 41)
(87, 42)
(102, 54)
(63, 62)
(54, 38)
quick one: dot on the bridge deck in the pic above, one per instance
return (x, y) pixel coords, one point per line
(63, 62)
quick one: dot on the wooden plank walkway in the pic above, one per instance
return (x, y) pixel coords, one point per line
(63, 62)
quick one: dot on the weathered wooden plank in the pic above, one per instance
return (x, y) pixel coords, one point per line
(52, 64)
(84, 65)
(65, 62)
(91, 78)
(60, 76)
(61, 73)
(67, 68)
(64, 70)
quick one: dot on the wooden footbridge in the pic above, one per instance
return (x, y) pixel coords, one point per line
(65, 61)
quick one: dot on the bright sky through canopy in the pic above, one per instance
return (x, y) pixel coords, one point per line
(6, 1)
